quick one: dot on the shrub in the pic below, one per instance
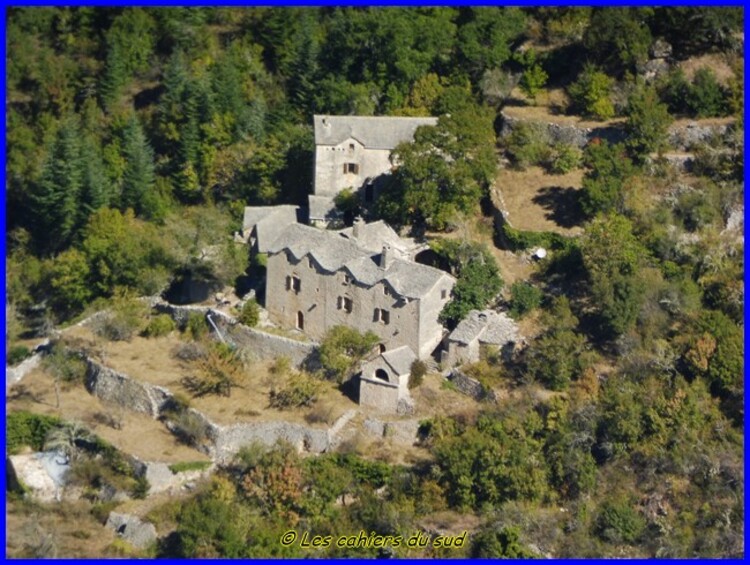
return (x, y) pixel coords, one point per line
(189, 351)
(126, 316)
(705, 98)
(64, 364)
(341, 349)
(591, 94)
(17, 354)
(217, 373)
(250, 314)
(27, 429)
(300, 390)
(140, 488)
(519, 240)
(565, 158)
(618, 522)
(197, 327)
(524, 298)
(182, 467)
(160, 325)
(528, 144)
(418, 371)
(189, 427)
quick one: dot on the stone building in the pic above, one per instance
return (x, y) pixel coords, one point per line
(384, 381)
(317, 279)
(261, 225)
(354, 152)
(479, 328)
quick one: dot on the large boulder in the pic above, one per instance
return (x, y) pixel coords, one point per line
(132, 529)
(42, 475)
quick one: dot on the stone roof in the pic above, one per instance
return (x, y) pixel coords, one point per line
(270, 221)
(488, 326)
(372, 236)
(334, 252)
(373, 132)
(400, 359)
(322, 208)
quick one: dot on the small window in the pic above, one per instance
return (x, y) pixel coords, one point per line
(369, 192)
(443, 294)
(296, 284)
(288, 282)
(351, 147)
(300, 321)
(345, 303)
(385, 290)
(380, 315)
(310, 263)
(351, 168)
(347, 280)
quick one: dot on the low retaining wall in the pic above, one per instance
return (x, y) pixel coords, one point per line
(111, 386)
(471, 387)
(262, 344)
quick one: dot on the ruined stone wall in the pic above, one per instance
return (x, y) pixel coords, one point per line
(111, 386)
(681, 135)
(471, 387)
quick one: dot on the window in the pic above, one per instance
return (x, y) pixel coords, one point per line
(347, 280)
(352, 168)
(300, 321)
(288, 282)
(369, 192)
(295, 285)
(386, 291)
(310, 263)
(443, 294)
(345, 303)
(351, 147)
(381, 374)
(380, 315)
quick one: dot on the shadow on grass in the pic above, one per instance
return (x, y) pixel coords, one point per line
(563, 205)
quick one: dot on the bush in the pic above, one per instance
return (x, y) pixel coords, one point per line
(17, 354)
(591, 94)
(197, 327)
(528, 144)
(189, 351)
(140, 488)
(418, 371)
(65, 365)
(250, 314)
(618, 522)
(27, 429)
(189, 427)
(189, 466)
(160, 325)
(705, 98)
(341, 349)
(565, 158)
(519, 240)
(126, 317)
(217, 373)
(300, 390)
(524, 298)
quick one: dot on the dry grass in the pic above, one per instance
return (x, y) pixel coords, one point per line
(151, 360)
(538, 201)
(542, 113)
(717, 62)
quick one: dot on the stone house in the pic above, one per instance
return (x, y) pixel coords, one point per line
(261, 225)
(479, 328)
(317, 279)
(384, 381)
(355, 152)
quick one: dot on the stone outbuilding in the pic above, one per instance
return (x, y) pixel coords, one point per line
(261, 225)
(384, 381)
(479, 328)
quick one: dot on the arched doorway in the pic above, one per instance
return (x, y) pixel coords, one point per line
(300, 321)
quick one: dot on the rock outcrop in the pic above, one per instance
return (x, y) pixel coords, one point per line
(132, 529)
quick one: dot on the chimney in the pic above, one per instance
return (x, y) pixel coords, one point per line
(386, 257)
(357, 227)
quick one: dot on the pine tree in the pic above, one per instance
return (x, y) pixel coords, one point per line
(138, 178)
(96, 189)
(56, 198)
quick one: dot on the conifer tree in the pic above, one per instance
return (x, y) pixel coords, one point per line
(138, 177)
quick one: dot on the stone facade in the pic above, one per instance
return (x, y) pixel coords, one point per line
(318, 279)
(485, 327)
(354, 152)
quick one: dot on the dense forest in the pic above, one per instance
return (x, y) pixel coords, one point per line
(135, 138)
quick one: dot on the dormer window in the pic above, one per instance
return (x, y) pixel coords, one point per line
(351, 168)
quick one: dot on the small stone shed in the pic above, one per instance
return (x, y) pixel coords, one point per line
(384, 381)
(485, 327)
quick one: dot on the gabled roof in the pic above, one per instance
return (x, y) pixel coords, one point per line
(372, 236)
(400, 359)
(322, 208)
(374, 132)
(488, 326)
(269, 222)
(333, 253)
